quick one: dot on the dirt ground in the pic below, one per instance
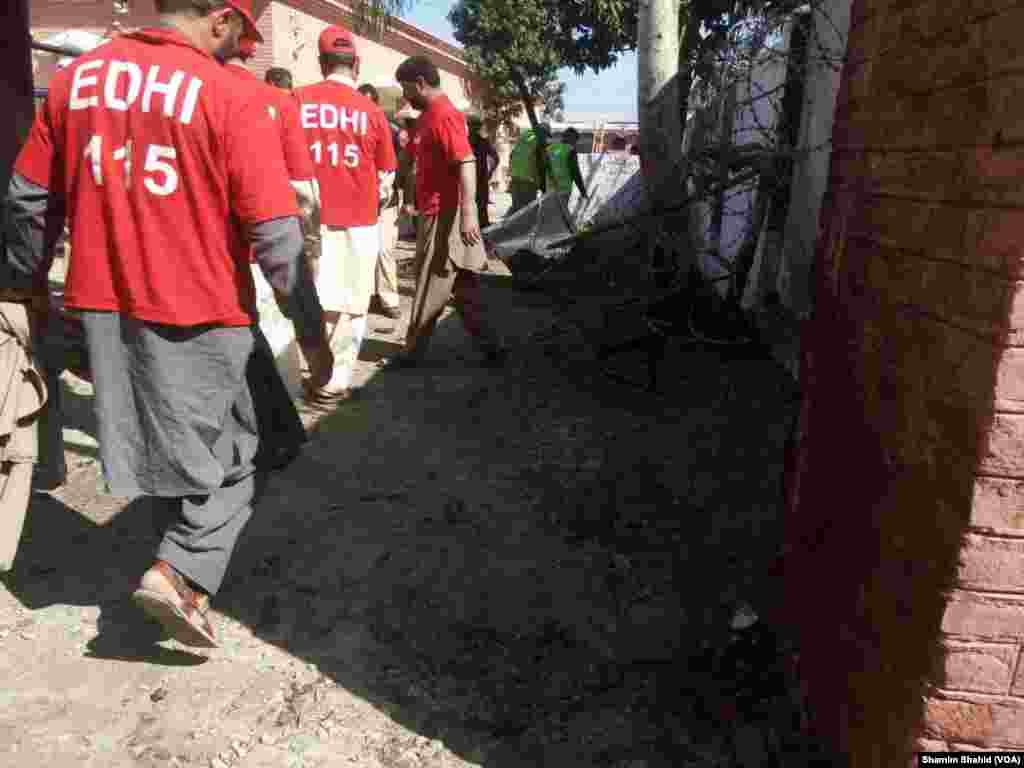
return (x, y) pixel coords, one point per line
(533, 566)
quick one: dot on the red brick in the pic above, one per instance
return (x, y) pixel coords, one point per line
(994, 240)
(1009, 393)
(1001, 34)
(990, 617)
(929, 175)
(1003, 454)
(998, 505)
(975, 719)
(1004, 120)
(974, 299)
(972, 748)
(959, 721)
(1018, 681)
(979, 667)
(992, 564)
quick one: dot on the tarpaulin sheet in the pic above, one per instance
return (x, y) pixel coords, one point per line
(615, 192)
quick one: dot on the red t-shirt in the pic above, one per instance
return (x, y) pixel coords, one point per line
(152, 144)
(284, 110)
(350, 141)
(442, 144)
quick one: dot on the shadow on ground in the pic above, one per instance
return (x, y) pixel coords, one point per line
(536, 566)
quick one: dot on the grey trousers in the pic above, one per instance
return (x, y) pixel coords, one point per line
(204, 530)
(177, 421)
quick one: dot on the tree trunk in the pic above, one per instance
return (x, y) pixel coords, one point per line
(531, 115)
(16, 87)
(661, 137)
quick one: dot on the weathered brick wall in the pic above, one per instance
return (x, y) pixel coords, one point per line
(905, 554)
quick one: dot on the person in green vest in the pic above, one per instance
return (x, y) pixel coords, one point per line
(564, 164)
(526, 180)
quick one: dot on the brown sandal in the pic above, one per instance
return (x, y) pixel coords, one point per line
(164, 595)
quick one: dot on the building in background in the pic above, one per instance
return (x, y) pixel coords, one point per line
(290, 30)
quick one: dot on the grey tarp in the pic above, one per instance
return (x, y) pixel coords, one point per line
(615, 192)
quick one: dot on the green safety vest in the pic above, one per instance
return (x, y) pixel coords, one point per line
(559, 174)
(522, 161)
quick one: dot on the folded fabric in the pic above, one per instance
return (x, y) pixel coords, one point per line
(22, 397)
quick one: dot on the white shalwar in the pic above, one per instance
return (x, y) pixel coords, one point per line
(345, 284)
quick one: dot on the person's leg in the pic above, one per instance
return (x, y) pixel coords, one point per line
(386, 273)
(199, 544)
(468, 304)
(433, 287)
(345, 336)
(483, 202)
(346, 277)
(280, 428)
(515, 189)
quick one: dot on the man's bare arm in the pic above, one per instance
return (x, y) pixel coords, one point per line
(469, 225)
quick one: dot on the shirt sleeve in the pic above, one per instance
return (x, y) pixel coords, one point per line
(454, 138)
(38, 160)
(293, 139)
(385, 159)
(259, 191)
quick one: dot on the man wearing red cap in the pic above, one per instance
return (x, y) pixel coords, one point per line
(281, 431)
(350, 141)
(146, 145)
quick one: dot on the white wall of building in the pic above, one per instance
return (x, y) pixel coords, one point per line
(295, 47)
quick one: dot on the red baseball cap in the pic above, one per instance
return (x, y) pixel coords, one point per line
(244, 8)
(337, 40)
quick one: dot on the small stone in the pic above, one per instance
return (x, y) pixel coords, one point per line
(744, 618)
(266, 738)
(158, 695)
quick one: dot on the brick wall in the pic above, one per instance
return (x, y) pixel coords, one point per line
(905, 533)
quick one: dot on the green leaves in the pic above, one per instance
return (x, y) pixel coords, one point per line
(512, 44)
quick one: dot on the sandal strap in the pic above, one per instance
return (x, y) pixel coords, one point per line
(192, 601)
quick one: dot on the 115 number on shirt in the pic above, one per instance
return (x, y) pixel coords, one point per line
(351, 154)
(159, 176)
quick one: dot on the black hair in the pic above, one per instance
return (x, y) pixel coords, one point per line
(369, 92)
(194, 7)
(332, 61)
(570, 132)
(416, 67)
(279, 77)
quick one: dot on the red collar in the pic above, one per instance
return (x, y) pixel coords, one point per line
(165, 36)
(439, 103)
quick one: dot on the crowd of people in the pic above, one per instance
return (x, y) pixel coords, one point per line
(176, 169)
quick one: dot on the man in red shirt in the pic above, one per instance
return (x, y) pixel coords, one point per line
(349, 138)
(448, 255)
(281, 431)
(146, 145)
(385, 295)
